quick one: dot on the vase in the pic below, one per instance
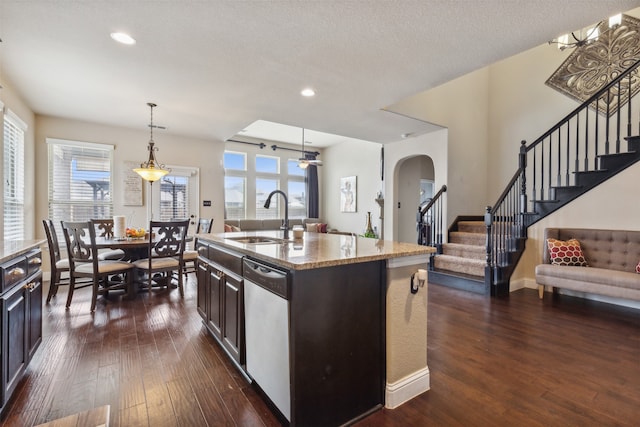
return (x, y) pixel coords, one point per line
(368, 231)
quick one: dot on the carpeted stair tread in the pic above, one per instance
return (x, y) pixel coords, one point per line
(472, 227)
(474, 267)
(465, 238)
(465, 251)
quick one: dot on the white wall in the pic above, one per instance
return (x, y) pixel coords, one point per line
(434, 145)
(131, 145)
(462, 106)
(353, 158)
(521, 107)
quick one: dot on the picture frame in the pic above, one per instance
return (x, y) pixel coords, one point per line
(348, 194)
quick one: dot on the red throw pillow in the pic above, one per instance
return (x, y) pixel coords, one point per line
(566, 253)
(322, 228)
(227, 228)
(638, 268)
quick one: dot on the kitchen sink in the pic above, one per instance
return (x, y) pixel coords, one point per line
(256, 240)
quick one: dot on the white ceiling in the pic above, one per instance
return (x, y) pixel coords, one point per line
(215, 67)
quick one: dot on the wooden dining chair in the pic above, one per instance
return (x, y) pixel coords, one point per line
(104, 228)
(165, 254)
(191, 256)
(59, 265)
(80, 238)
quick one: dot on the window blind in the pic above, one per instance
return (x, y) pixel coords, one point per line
(13, 178)
(80, 180)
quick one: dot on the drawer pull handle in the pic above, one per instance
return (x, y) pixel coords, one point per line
(35, 261)
(30, 285)
(16, 272)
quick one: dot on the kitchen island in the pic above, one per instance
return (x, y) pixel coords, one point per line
(326, 326)
(20, 311)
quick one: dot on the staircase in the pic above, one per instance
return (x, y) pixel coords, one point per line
(590, 145)
(462, 262)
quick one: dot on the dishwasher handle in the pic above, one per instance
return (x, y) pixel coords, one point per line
(272, 279)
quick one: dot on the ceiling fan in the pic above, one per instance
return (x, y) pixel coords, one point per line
(303, 162)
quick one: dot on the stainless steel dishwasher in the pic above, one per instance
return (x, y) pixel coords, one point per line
(266, 311)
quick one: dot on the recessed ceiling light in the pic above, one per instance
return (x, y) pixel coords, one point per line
(308, 92)
(123, 38)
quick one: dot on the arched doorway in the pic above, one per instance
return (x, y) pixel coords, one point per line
(415, 182)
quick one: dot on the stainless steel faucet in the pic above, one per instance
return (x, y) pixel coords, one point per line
(285, 222)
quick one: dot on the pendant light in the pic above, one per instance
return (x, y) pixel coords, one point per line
(151, 170)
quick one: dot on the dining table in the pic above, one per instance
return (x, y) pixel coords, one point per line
(134, 248)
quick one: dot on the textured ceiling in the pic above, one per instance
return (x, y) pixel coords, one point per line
(214, 67)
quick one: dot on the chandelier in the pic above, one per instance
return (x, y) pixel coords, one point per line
(151, 170)
(586, 35)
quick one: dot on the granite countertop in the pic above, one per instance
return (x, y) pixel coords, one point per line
(316, 250)
(13, 248)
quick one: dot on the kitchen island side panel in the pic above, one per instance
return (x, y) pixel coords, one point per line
(337, 342)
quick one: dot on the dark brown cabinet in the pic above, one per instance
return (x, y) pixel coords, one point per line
(21, 322)
(220, 301)
(214, 288)
(233, 315)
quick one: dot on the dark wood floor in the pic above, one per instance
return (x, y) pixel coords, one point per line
(515, 362)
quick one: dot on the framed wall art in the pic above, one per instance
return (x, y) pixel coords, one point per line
(348, 194)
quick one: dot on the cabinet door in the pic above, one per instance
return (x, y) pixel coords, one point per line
(215, 301)
(233, 325)
(203, 287)
(35, 314)
(14, 338)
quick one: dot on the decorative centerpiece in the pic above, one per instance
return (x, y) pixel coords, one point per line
(135, 233)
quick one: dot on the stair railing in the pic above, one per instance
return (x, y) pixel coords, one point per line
(430, 221)
(573, 146)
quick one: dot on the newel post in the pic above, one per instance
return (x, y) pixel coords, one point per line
(522, 164)
(488, 269)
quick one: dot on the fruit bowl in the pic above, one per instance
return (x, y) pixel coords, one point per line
(135, 233)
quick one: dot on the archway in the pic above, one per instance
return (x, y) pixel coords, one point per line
(415, 178)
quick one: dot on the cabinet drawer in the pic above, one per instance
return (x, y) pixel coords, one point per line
(34, 261)
(229, 260)
(13, 271)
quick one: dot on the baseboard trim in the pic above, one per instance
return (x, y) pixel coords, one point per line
(407, 388)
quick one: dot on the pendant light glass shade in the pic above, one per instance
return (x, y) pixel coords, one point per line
(151, 170)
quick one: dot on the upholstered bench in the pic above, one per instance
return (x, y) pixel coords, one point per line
(611, 256)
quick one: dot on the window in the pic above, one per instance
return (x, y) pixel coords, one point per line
(174, 197)
(14, 130)
(267, 164)
(297, 190)
(250, 177)
(235, 169)
(263, 188)
(80, 180)
(267, 180)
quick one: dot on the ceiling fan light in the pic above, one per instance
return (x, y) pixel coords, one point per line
(303, 164)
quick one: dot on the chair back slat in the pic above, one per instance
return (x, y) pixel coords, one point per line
(104, 227)
(52, 241)
(81, 242)
(168, 238)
